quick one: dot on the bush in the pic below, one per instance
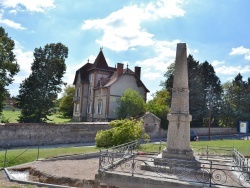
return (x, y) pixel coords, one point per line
(104, 138)
(123, 131)
(4, 119)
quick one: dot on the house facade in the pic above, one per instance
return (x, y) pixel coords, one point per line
(98, 87)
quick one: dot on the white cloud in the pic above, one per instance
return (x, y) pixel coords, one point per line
(30, 5)
(164, 55)
(24, 59)
(241, 51)
(152, 76)
(10, 23)
(122, 29)
(216, 63)
(232, 70)
(196, 51)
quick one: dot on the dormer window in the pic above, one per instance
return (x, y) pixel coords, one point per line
(91, 78)
(99, 107)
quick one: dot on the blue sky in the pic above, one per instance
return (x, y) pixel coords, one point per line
(138, 32)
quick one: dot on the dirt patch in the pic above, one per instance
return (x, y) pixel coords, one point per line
(75, 173)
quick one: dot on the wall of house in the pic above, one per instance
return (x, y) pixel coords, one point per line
(118, 88)
(100, 96)
(152, 126)
(125, 82)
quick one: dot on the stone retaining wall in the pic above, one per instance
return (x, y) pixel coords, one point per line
(25, 134)
(215, 131)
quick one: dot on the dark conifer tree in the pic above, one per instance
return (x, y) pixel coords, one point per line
(39, 91)
(8, 65)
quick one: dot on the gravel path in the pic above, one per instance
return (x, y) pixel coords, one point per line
(76, 169)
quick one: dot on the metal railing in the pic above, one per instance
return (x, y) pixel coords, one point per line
(116, 155)
(7, 158)
(241, 162)
(213, 152)
(207, 171)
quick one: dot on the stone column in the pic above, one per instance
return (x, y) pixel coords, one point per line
(178, 140)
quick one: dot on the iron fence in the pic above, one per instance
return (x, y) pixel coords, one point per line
(207, 171)
(208, 152)
(241, 161)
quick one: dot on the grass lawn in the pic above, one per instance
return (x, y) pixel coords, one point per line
(55, 118)
(20, 156)
(243, 146)
(12, 116)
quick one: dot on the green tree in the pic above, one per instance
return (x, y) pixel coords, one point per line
(66, 104)
(236, 102)
(200, 77)
(159, 106)
(123, 131)
(131, 104)
(8, 65)
(39, 91)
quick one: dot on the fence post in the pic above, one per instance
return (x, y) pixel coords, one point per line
(100, 161)
(38, 153)
(133, 166)
(207, 152)
(160, 148)
(112, 159)
(210, 175)
(5, 155)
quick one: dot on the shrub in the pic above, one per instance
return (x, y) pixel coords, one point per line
(104, 138)
(4, 119)
(123, 131)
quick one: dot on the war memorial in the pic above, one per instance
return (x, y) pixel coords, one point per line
(174, 164)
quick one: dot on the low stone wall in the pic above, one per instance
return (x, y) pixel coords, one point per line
(24, 134)
(215, 131)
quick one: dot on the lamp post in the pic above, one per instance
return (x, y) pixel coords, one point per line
(210, 91)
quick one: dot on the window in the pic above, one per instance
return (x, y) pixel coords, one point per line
(90, 89)
(89, 108)
(77, 108)
(99, 107)
(78, 92)
(91, 78)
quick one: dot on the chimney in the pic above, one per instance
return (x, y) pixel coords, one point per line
(138, 72)
(119, 69)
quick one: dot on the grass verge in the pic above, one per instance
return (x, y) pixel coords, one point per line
(12, 116)
(243, 146)
(20, 156)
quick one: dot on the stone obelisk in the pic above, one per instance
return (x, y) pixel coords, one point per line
(178, 138)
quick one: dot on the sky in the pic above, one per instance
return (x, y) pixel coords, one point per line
(135, 32)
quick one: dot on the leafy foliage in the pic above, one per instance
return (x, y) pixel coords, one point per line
(66, 104)
(123, 131)
(159, 106)
(131, 104)
(39, 91)
(236, 102)
(3, 119)
(200, 77)
(8, 65)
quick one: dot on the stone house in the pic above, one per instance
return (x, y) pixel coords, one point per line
(98, 87)
(152, 125)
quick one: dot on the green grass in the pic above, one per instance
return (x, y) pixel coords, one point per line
(55, 118)
(243, 146)
(11, 115)
(58, 118)
(20, 156)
